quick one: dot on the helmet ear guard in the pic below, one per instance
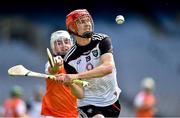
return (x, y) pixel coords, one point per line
(71, 22)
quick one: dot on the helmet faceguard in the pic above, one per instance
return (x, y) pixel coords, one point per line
(71, 19)
(59, 35)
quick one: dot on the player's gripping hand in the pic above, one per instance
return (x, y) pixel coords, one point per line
(58, 61)
(69, 79)
(57, 65)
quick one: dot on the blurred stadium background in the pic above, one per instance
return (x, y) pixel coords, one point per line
(147, 44)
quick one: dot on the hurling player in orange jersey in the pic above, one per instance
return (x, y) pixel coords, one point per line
(145, 100)
(60, 100)
(15, 106)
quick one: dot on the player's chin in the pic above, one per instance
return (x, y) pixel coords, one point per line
(64, 52)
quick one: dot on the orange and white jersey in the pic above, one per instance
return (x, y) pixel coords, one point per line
(144, 103)
(14, 107)
(58, 100)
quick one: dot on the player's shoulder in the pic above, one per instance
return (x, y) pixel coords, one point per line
(99, 36)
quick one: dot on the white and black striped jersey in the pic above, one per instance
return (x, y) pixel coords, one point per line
(102, 91)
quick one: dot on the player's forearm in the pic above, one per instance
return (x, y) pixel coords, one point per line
(77, 91)
(99, 71)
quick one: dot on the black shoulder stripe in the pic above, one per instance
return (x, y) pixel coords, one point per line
(99, 36)
(70, 53)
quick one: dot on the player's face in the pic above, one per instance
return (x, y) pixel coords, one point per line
(62, 46)
(84, 24)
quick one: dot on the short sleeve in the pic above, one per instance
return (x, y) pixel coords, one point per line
(105, 46)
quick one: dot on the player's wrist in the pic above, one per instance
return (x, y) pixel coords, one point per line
(74, 77)
(78, 77)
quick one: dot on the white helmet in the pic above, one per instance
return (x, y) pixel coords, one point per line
(58, 35)
(148, 83)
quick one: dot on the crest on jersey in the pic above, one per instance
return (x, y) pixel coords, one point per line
(95, 53)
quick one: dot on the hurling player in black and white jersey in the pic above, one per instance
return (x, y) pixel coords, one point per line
(92, 58)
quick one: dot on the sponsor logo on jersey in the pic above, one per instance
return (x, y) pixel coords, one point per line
(79, 61)
(89, 66)
(88, 58)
